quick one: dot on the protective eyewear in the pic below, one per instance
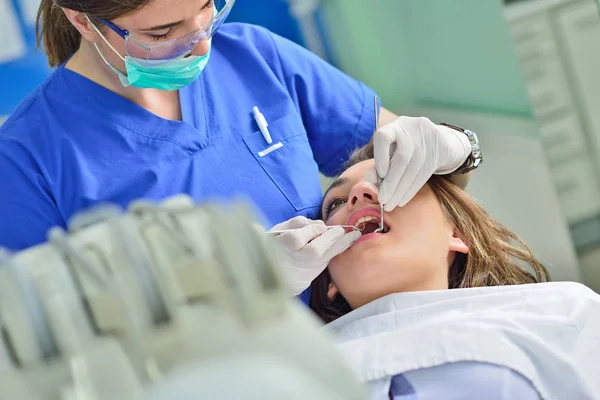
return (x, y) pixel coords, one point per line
(158, 53)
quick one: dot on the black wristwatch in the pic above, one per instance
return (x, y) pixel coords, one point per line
(475, 158)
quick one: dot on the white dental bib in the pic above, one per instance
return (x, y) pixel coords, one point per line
(549, 333)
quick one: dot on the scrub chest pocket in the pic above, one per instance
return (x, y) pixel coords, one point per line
(288, 161)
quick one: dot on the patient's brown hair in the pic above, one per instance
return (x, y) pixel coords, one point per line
(496, 257)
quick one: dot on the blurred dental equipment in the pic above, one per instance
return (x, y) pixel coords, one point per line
(161, 302)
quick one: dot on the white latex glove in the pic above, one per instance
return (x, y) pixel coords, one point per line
(408, 152)
(309, 248)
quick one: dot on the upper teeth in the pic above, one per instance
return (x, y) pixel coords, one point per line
(365, 220)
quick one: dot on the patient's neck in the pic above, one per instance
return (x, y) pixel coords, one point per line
(437, 282)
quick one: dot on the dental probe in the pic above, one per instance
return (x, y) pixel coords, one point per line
(376, 108)
(275, 233)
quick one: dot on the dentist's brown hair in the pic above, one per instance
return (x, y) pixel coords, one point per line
(496, 257)
(60, 38)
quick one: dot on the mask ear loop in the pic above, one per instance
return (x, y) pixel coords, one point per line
(105, 41)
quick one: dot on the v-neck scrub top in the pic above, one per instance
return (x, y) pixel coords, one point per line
(72, 143)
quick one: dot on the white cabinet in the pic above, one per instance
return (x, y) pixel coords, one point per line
(578, 27)
(577, 189)
(563, 138)
(558, 46)
(543, 73)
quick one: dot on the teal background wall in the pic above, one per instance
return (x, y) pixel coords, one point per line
(455, 53)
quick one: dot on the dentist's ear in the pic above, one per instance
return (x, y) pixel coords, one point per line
(458, 242)
(81, 23)
(332, 292)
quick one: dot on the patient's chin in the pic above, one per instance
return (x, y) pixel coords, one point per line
(357, 261)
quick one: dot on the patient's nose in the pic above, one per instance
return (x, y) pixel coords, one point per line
(362, 194)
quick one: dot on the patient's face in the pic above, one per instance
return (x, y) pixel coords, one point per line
(414, 254)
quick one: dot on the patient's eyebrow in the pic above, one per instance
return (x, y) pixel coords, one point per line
(337, 183)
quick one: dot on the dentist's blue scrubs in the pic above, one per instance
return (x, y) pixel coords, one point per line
(72, 143)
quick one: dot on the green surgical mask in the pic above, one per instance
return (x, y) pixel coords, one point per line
(146, 74)
(172, 75)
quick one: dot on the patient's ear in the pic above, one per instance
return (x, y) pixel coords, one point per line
(458, 242)
(332, 292)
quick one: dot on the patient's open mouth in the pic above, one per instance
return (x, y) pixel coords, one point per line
(368, 221)
(370, 224)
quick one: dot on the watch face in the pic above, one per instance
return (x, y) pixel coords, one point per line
(475, 158)
(475, 148)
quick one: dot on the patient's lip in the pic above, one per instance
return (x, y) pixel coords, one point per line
(368, 236)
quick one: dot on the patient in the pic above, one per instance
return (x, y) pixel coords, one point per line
(442, 239)
(407, 331)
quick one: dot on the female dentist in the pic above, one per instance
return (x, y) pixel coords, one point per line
(149, 100)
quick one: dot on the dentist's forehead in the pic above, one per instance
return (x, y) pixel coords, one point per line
(157, 12)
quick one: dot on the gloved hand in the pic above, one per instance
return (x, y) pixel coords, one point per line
(408, 152)
(309, 248)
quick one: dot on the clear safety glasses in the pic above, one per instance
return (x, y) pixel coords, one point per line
(212, 17)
